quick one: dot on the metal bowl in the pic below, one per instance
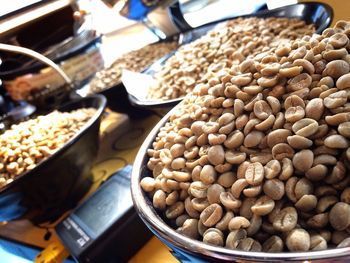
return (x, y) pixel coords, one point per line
(58, 182)
(319, 14)
(189, 250)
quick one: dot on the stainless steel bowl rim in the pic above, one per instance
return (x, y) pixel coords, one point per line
(151, 218)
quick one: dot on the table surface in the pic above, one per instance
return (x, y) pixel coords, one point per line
(121, 138)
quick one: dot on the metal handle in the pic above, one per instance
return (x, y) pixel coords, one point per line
(38, 56)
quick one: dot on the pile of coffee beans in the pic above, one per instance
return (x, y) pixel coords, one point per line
(25, 145)
(136, 60)
(221, 48)
(258, 157)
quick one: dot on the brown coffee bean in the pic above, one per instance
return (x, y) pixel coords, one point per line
(198, 189)
(234, 238)
(337, 68)
(303, 187)
(234, 140)
(343, 82)
(305, 127)
(336, 141)
(325, 159)
(345, 195)
(249, 244)
(306, 203)
(181, 176)
(272, 169)
(338, 40)
(159, 199)
(228, 200)
(252, 191)
(317, 242)
(344, 243)
(214, 237)
(238, 186)
(262, 110)
(314, 109)
(189, 228)
(294, 114)
(338, 174)
(273, 244)
(344, 129)
(338, 118)
(216, 154)
(287, 169)
(209, 127)
(254, 173)
(180, 220)
(298, 240)
(274, 188)
(147, 184)
(285, 220)
(211, 215)
(263, 206)
(278, 136)
(242, 169)
(281, 151)
(325, 203)
(255, 225)
(238, 222)
(293, 101)
(253, 139)
(330, 55)
(335, 100)
(235, 157)
(318, 221)
(227, 179)
(299, 142)
(303, 160)
(213, 193)
(316, 173)
(299, 82)
(175, 210)
(208, 174)
(190, 209)
(225, 220)
(339, 216)
(199, 204)
(246, 207)
(307, 65)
